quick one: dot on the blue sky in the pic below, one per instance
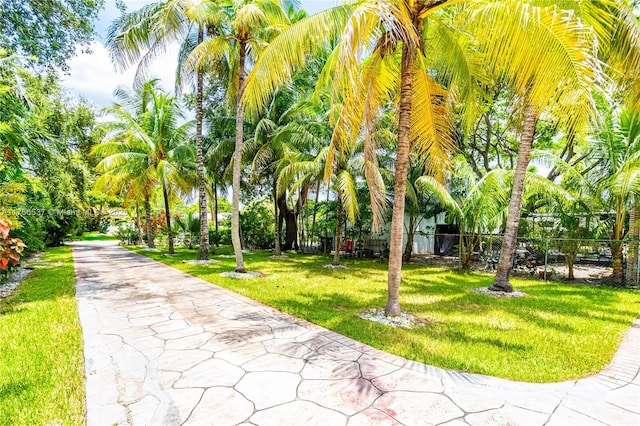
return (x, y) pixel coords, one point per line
(92, 75)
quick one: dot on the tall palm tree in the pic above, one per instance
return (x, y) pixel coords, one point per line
(245, 27)
(138, 37)
(149, 148)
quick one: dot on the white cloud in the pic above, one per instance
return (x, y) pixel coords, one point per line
(94, 78)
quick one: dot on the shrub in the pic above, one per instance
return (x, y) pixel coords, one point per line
(10, 249)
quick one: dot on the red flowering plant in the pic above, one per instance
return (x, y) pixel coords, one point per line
(10, 248)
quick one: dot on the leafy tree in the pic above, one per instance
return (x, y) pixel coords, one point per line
(49, 31)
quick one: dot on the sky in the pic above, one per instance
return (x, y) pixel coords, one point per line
(93, 77)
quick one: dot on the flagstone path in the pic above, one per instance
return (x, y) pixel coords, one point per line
(165, 348)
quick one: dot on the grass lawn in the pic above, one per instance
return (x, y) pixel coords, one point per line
(558, 332)
(97, 236)
(41, 356)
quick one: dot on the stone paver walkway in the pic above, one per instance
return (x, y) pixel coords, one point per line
(165, 348)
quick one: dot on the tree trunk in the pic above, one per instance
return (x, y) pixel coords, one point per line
(505, 264)
(634, 233)
(168, 216)
(291, 222)
(618, 268)
(408, 248)
(147, 213)
(277, 216)
(203, 249)
(215, 212)
(237, 164)
(139, 224)
(616, 243)
(315, 211)
(571, 258)
(466, 250)
(336, 254)
(400, 187)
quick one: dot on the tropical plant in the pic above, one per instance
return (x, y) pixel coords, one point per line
(164, 23)
(245, 26)
(615, 171)
(10, 248)
(147, 148)
(189, 226)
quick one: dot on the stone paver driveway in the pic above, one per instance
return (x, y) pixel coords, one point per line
(165, 348)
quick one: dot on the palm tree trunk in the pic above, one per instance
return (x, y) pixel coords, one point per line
(277, 216)
(203, 249)
(139, 224)
(237, 166)
(147, 214)
(215, 212)
(408, 248)
(336, 255)
(315, 212)
(400, 187)
(616, 244)
(634, 233)
(167, 216)
(501, 282)
(571, 256)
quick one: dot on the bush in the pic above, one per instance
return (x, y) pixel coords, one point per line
(10, 250)
(126, 233)
(257, 225)
(222, 236)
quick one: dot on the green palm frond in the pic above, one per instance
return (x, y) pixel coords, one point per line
(348, 193)
(290, 51)
(429, 186)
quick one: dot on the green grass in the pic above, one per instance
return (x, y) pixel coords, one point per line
(96, 236)
(559, 332)
(41, 356)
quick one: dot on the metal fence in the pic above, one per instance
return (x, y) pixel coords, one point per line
(582, 260)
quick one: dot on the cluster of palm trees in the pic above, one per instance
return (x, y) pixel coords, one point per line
(423, 65)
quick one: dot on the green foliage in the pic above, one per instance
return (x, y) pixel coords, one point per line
(50, 31)
(257, 225)
(41, 357)
(126, 233)
(43, 175)
(189, 228)
(222, 236)
(10, 249)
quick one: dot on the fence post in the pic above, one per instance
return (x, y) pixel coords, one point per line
(546, 257)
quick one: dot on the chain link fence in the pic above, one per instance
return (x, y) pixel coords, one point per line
(558, 259)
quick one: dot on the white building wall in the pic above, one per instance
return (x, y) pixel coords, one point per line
(424, 238)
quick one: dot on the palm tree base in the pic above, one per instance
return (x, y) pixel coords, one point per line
(393, 308)
(241, 270)
(502, 286)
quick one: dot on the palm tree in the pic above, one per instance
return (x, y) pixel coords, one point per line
(245, 27)
(148, 149)
(344, 171)
(615, 170)
(131, 178)
(138, 37)
(481, 209)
